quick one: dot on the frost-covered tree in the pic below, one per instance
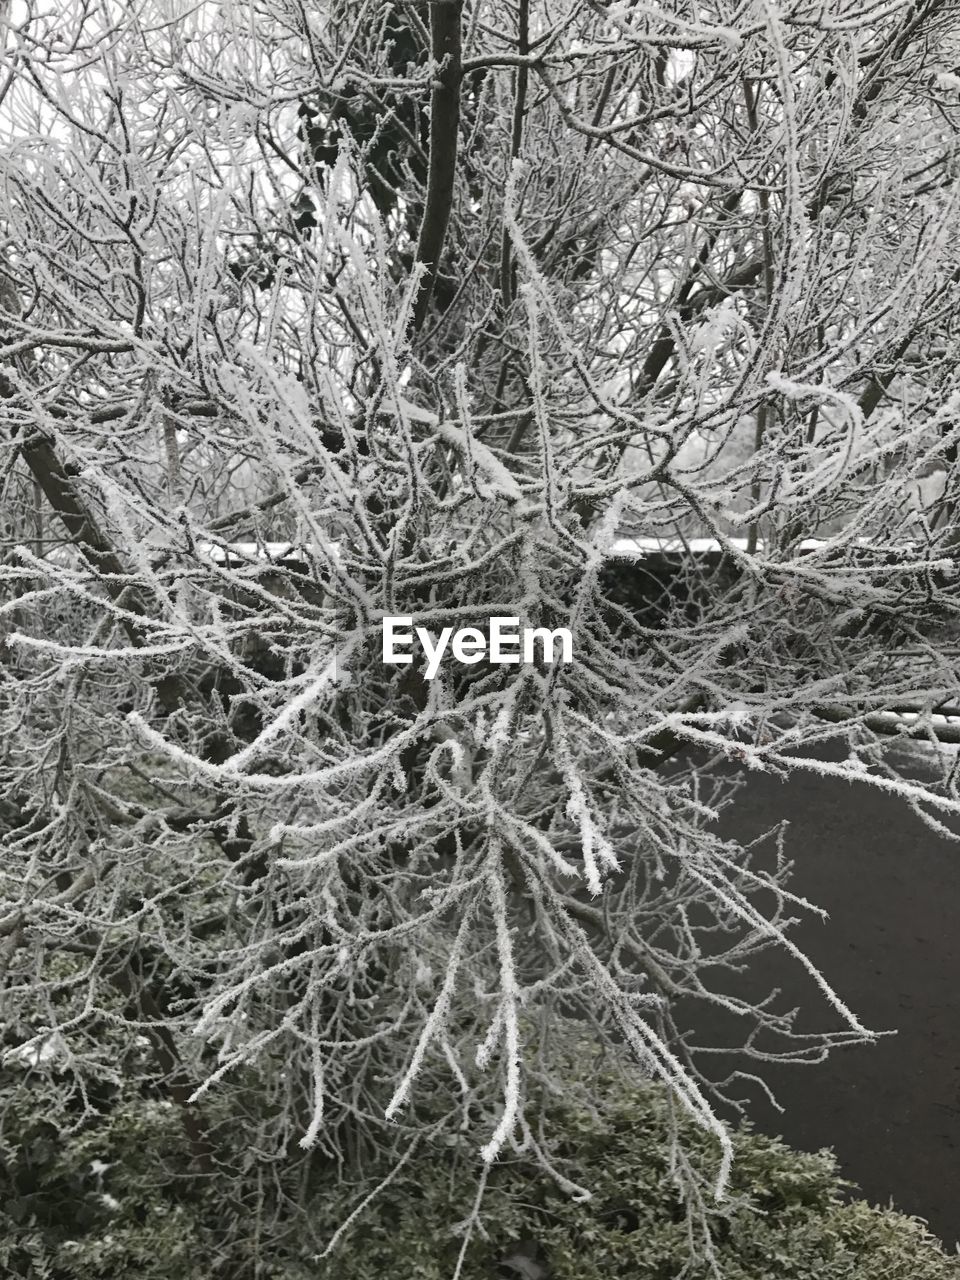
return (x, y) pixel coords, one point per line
(314, 314)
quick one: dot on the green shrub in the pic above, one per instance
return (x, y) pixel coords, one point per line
(147, 1216)
(785, 1219)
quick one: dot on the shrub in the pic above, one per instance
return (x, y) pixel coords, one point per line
(113, 1199)
(785, 1219)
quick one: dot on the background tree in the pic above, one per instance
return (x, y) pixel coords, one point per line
(316, 315)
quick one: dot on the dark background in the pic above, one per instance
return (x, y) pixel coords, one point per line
(891, 950)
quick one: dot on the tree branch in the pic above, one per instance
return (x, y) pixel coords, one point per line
(445, 51)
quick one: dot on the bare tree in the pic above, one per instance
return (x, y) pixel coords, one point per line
(314, 316)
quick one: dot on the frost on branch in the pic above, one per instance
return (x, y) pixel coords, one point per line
(691, 289)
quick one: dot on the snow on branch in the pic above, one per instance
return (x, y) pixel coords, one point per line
(622, 349)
